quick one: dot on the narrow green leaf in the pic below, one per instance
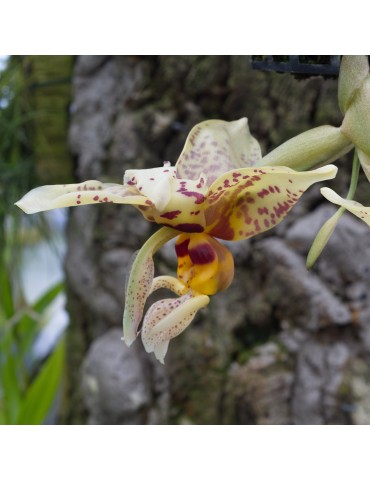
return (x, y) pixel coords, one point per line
(42, 392)
(48, 297)
(9, 383)
(6, 298)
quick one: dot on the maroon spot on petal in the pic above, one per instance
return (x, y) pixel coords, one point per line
(202, 254)
(182, 248)
(171, 215)
(79, 196)
(257, 225)
(263, 193)
(266, 222)
(188, 227)
(262, 211)
(199, 197)
(96, 198)
(78, 202)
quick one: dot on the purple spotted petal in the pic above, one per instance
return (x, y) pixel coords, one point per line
(168, 318)
(214, 147)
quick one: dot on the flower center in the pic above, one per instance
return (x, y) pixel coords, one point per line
(204, 264)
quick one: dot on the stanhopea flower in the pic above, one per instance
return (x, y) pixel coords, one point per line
(216, 191)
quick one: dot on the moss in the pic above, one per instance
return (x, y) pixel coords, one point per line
(50, 95)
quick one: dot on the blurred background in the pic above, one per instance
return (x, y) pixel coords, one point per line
(280, 346)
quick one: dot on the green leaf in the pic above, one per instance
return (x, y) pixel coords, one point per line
(48, 297)
(6, 298)
(10, 385)
(42, 392)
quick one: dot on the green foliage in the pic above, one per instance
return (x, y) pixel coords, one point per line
(28, 387)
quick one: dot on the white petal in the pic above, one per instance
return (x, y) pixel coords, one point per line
(58, 196)
(168, 318)
(354, 207)
(154, 183)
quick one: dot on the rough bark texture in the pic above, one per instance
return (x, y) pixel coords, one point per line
(281, 345)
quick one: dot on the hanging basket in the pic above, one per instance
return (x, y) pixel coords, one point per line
(301, 66)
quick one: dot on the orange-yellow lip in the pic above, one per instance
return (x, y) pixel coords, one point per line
(204, 264)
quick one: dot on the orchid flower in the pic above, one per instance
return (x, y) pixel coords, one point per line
(217, 191)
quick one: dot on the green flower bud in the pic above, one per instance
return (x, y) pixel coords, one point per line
(356, 123)
(313, 148)
(353, 71)
(322, 238)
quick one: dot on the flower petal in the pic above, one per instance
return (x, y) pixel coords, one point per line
(154, 183)
(168, 318)
(246, 202)
(58, 196)
(204, 264)
(184, 209)
(214, 147)
(166, 281)
(140, 282)
(354, 207)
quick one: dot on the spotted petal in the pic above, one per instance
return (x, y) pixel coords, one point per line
(139, 284)
(214, 147)
(184, 209)
(58, 196)
(354, 207)
(154, 183)
(168, 318)
(245, 202)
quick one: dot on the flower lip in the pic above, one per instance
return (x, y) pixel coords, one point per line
(204, 264)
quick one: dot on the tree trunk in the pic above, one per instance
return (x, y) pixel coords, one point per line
(281, 345)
